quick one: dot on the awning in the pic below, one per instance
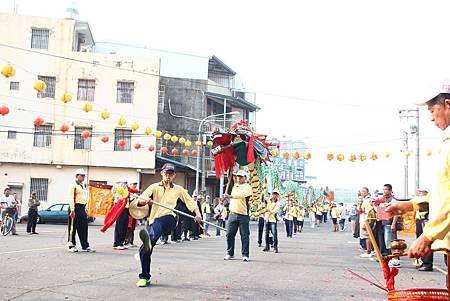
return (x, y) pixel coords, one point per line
(14, 184)
(238, 101)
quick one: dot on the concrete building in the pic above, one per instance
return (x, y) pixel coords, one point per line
(291, 169)
(42, 158)
(191, 88)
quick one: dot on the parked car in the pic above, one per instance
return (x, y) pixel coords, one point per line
(56, 214)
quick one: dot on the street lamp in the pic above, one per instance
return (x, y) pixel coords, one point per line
(197, 172)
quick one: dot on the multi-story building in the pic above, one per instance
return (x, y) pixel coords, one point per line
(191, 88)
(43, 158)
(292, 169)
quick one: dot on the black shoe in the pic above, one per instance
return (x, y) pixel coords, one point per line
(425, 269)
(34, 233)
(276, 250)
(266, 249)
(186, 239)
(143, 235)
(15, 234)
(259, 245)
(195, 238)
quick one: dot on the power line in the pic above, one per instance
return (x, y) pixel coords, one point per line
(302, 99)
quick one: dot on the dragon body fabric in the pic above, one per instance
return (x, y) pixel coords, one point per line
(240, 146)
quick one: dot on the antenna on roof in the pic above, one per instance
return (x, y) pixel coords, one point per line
(72, 11)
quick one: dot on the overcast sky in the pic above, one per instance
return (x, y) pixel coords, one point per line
(349, 66)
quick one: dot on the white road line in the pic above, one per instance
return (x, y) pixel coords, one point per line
(31, 250)
(441, 270)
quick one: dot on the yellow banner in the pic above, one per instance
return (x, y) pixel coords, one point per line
(409, 223)
(100, 200)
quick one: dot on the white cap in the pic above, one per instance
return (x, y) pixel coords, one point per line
(433, 91)
(80, 171)
(275, 191)
(241, 173)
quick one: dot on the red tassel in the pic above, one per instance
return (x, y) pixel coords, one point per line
(113, 214)
(251, 149)
(224, 161)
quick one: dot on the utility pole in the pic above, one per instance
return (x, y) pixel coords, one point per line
(413, 130)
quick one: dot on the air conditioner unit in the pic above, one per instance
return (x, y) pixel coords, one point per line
(85, 48)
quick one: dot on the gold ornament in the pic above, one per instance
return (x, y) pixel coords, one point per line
(8, 71)
(66, 97)
(158, 134)
(340, 157)
(330, 156)
(307, 156)
(121, 121)
(134, 127)
(167, 136)
(198, 143)
(87, 107)
(210, 143)
(362, 157)
(352, 157)
(373, 157)
(105, 115)
(182, 141)
(429, 153)
(174, 139)
(188, 143)
(387, 155)
(148, 131)
(39, 86)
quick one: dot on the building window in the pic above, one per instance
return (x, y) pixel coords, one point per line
(122, 134)
(12, 134)
(161, 97)
(14, 86)
(50, 82)
(80, 142)
(86, 89)
(43, 135)
(39, 38)
(40, 186)
(125, 91)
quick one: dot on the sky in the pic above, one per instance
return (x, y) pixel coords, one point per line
(346, 67)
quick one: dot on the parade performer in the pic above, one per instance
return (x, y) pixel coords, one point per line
(259, 214)
(271, 217)
(436, 233)
(78, 219)
(220, 214)
(239, 218)
(129, 238)
(289, 212)
(300, 217)
(161, 220)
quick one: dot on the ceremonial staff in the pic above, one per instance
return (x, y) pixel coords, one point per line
(134, 204)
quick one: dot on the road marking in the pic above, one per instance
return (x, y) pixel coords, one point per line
(441, 270)
(31, 250)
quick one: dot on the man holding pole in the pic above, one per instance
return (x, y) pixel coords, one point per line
(161, 220)
(436, 233)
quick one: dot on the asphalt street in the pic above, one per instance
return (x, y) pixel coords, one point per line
(310, 266)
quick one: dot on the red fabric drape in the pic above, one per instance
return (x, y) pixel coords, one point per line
(113, 214)
(251, 149)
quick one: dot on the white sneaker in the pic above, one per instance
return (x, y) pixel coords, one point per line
(394, 263)
(246, 259)
(365, 255)
(73, 249)
(228, 257)
(120, 248)
(89, 250)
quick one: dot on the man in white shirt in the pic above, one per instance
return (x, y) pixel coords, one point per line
(7, 200)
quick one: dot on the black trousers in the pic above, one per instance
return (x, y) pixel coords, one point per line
(120, 230)
(379, 237)
(79, 224)
(260, 229)
(185, 225)
(176, 233)
(32, 220)
(427, 260)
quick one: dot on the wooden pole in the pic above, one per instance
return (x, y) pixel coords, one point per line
(374, 243)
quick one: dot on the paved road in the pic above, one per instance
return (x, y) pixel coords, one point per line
(310, 266)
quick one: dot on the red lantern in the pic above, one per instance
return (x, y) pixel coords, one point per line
(86, 134)
(174, 152)
(105, 139)
(4, 110)
(151, 148)
(194, 152)
(185, 152)
(64, 128)
(137, 146)
(39, 121)
(121, 143)
(164, 150)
